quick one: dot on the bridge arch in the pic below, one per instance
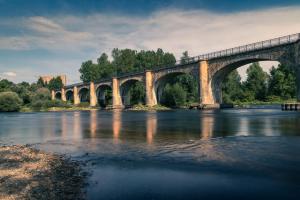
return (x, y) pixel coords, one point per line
(58, 95)
(104, 95)
(217, 76)
(70, 95)
(162, 80)
(84, 94)
(127, 86)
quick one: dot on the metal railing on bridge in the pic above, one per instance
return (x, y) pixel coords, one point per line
(289, 39)
(251, 47)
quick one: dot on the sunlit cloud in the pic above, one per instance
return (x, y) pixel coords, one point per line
(12, 74)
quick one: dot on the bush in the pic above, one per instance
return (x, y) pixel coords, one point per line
(83, 104)
(38, 104)
(41, 94)
(174, 95)
(10, 102)
(44, 104)
(56, 103)
(40, 99)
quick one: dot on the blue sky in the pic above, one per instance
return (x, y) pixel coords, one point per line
(40, 37)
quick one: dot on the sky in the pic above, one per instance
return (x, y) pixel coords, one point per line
(52, 37)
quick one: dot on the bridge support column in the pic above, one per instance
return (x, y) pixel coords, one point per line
(93, 96)
(150, 92)
(117, 101)
(206, 96)
(76, 96)
(52, 95)
(63, 94)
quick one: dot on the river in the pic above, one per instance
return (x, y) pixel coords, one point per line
(178, 154)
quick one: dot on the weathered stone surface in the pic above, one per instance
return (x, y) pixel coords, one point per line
(117, 101)
(93, 97)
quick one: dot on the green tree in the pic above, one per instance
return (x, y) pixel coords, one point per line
(40, 83)
(24, 91)
(137, 93)
(232, 87)
(184, 58)
(6, 85)
(89, 71)
(55, 84)
(124, 60)
(41, 98)
(105, 67)
(282, 82)
(9, 102)
(189, 85)
(173, 95)
(256, 82)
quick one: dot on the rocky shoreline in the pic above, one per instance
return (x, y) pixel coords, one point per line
(28, 173)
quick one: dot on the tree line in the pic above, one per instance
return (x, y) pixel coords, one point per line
(35, 96)
(278, 86)
(124, 61)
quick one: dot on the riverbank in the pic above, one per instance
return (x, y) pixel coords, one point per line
(58, 109)
(141, 107)
(28, 173)
(138, 107)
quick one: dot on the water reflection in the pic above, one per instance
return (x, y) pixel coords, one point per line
(116, 125)
(93, 123)
(151, 126)
(207, 127)
(64, 126)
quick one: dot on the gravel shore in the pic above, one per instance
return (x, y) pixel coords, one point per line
(28, 173)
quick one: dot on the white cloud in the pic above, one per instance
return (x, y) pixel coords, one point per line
(12, 76)
(197, 31)
(9, 74)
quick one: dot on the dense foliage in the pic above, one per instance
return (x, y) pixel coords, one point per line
(124, 61)
(9, 102)
(280, 85)
(36, 95)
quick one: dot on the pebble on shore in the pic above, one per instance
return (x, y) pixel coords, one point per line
(28, 173)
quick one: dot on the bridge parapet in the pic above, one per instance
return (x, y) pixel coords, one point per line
(289, 39)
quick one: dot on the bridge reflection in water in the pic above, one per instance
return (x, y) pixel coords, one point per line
(153, 127)
(116, 125)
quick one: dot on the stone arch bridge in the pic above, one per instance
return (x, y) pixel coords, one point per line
(208, 69)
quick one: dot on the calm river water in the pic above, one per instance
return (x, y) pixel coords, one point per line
(184, 154)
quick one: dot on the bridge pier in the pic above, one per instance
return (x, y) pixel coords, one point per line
(205, 90)
(52, 95)
(117, 101)
(93, 96)
(150, 91)
(76, 96)
(63, 94)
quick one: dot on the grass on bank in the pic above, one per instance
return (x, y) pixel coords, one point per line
(141, 107)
